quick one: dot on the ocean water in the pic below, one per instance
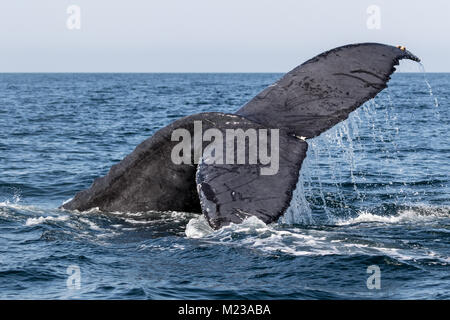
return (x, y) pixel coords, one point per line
(373, 195)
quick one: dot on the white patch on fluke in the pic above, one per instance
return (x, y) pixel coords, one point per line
(67, 201)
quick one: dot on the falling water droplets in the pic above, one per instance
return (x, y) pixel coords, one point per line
(430, 90)
(299, 212)
(338, 179)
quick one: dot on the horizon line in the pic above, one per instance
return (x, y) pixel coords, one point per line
(182, 72)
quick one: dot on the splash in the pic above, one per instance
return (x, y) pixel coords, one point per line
(299, 211)
(341, 239)
(198, 228)
(334, 179)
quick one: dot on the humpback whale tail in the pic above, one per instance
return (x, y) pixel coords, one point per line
(305, 102)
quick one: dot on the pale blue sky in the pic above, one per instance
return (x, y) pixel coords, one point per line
(210, 35)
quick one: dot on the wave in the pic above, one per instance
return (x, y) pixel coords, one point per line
(198, 227)
(15, 204)
(410, 215)
(346, 237)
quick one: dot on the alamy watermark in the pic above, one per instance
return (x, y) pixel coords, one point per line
(73, 282)
(374, 20)
(73, 22)
(374, 280)
(231, 149)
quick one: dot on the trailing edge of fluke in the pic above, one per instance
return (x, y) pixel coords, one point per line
(305, 102)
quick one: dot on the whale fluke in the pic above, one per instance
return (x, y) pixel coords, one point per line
(231, 193)
(323, 91)
(305, 102)
(147, 179)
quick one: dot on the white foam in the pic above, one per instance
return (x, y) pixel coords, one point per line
(91, 224)
(199, 228)
(403, 216)
(15, 205)
(35, 221)
(276, 239)
(137, 221)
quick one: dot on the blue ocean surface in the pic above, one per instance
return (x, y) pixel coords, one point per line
(373, 196)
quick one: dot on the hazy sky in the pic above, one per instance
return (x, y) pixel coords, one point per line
(211, 35)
